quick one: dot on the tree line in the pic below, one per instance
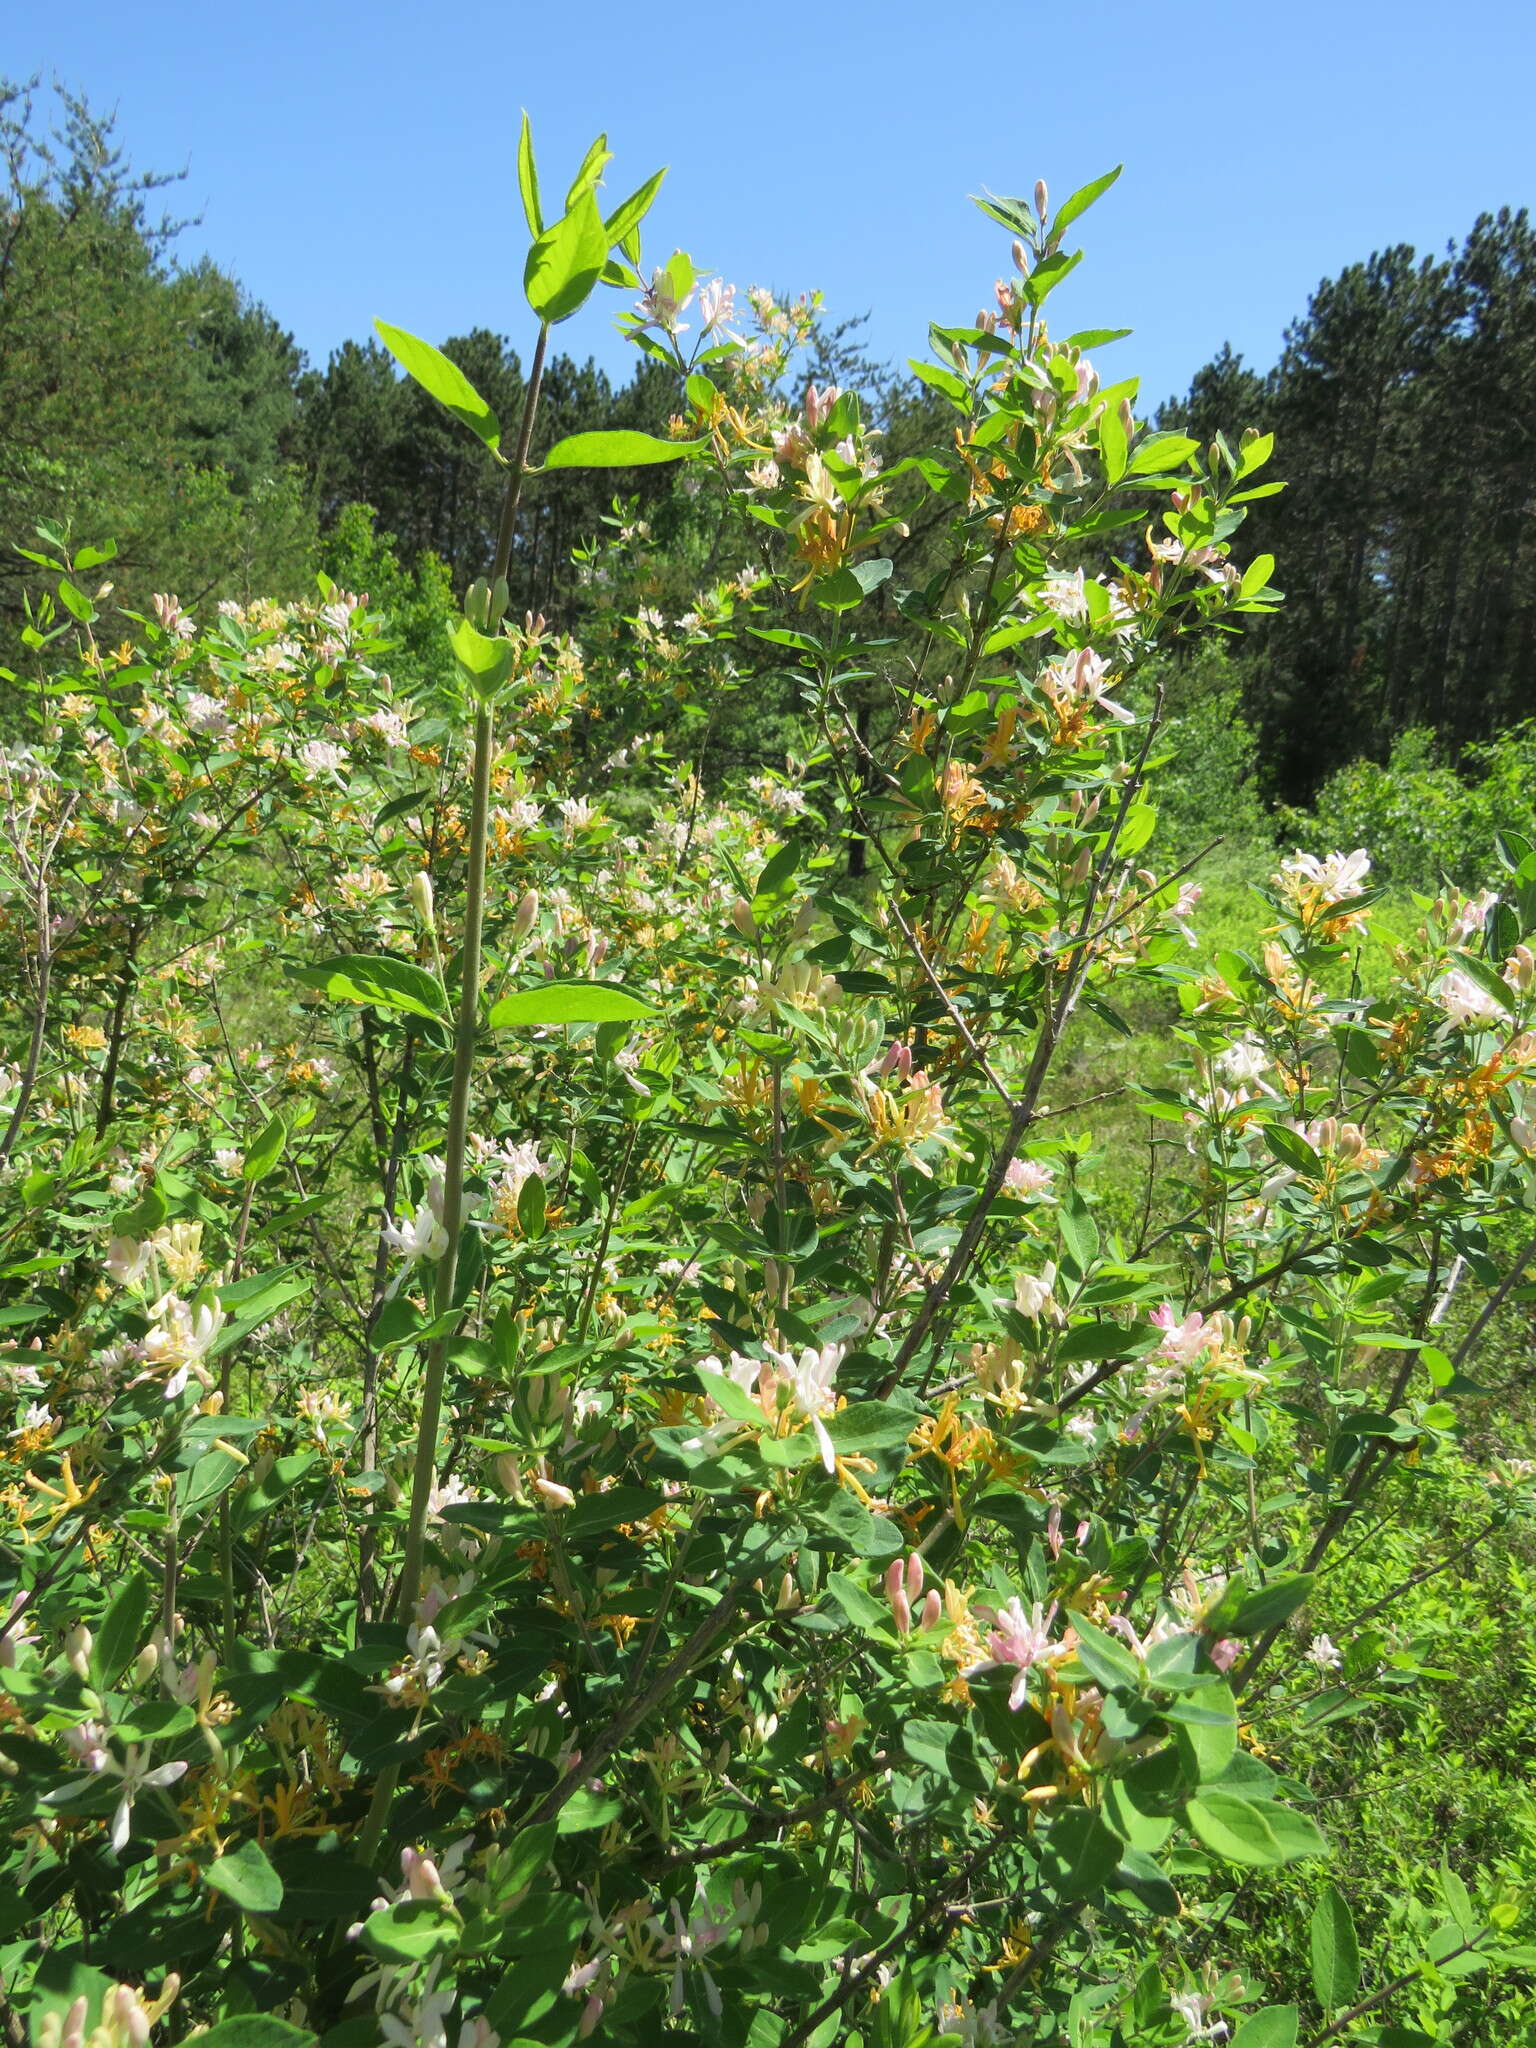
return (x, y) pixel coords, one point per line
(159, 404)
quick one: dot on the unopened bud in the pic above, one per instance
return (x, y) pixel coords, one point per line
(1520, 968)
(421, 895)
(742, 918)
(1042, 199)
(526, 914)
(145, 1663)
(77, 1650)
(421, 1876)
(1020, 260)
(896, 1593)
(805, 917)
(932, 1611)
(789, 1596)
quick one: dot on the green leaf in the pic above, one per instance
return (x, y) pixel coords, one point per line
(590, 171)
(376, 978)
(245, 1875)
(442, 379)
(569, 1002)
(1162, 451)
(1078, 1853)
(847, 587)
(1114, 450)
(531, 1207)
(485, 661)
(566, 261)
(121, 1634)
(1110, 1663)
(1266, 1607)
(528, 180)
(1256, 575)
(257, 2030)
(618, 450)
(1257, 1832)
(411, 1932)
(1073, 208)
(629, 213)
(264, 1154)
(1291, 1149)
(1335, 1950)
(1274, 2027)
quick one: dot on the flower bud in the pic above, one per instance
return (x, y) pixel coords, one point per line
(526, 914)
(742, 918)
(421, 1876)
(1524, 1134)
(1520, 968)
(145, 1662)
(421, 896)
(933, 1609)
(896, 1593)
(77, 1650)
(1020, 260)
(1042, 199)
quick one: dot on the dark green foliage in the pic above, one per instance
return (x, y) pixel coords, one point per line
(1401, 407)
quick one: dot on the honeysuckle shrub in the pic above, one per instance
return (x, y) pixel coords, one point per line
(582, 1460)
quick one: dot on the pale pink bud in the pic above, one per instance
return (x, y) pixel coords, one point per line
(1020, 261)
(895, 1592)
(1053, 1530)
(914, 1576)
(1042, 199)
(1224, 1654)
(421, 1876)
(897, 1061)
(933, 1609)
(742, 918)
(523, 918)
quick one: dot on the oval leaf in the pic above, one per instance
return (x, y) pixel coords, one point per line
(443, 379)
(245, 1875)
(568, 1002)
(618, 450)
(1335, 1950)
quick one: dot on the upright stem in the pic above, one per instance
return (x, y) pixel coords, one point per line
(424, 1474)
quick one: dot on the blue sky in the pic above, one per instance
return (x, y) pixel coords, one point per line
(352, 161)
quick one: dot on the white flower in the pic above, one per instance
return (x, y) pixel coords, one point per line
(1065, 596)
(810, 1380)
(126, 1260)
(717, 303)
(1334, 878)
(322, 757)
(1324, 1653)
(1034, 1297)
(205, 714)
(1243, 1062)
(1469, 1007)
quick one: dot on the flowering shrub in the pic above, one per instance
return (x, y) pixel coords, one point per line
(580, 1463)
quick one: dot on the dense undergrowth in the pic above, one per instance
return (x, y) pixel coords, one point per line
(749, 1355)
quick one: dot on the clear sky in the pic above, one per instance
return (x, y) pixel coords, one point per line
(357, 160)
